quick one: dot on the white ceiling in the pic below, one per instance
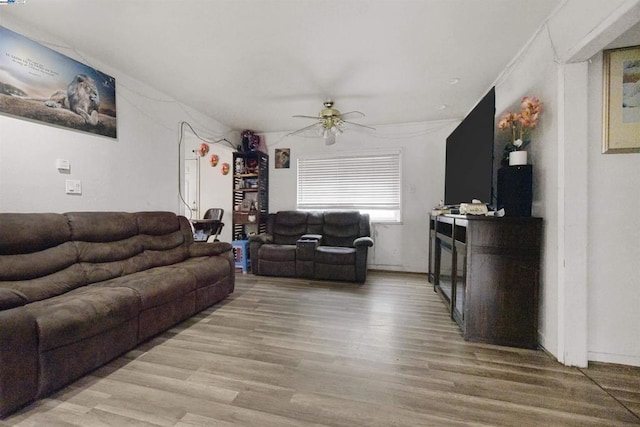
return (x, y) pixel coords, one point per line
(252, 64)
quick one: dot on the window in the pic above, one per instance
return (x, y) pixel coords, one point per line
(368, 183)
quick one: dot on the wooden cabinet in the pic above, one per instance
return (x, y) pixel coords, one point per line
(487, 271)
(250, 193)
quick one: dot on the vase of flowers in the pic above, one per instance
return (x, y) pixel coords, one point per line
(520, 126)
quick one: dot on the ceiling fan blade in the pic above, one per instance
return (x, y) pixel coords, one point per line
(307, 117)
(358, 124)
(304, 129)
(351, 115)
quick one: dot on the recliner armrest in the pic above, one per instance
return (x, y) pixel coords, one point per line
(363, 241)
(261, 238)
(208, 249)
(310, 237)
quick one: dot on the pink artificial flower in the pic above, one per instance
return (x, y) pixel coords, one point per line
(203, 150)
(527, 118)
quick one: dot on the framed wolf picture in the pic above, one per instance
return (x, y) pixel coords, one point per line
(40, 84)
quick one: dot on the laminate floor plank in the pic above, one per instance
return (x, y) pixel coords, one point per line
(299, 353)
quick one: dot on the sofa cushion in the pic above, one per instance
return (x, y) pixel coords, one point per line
(10, 298)
(156, 286)
(109, 251)
(205, 270)
(164, 249)
(101, 271)
(157, 223)
(38, 264)
(341, 228)
(101, 226)
(335, 255)
(289, 226)
(315, 221)
(22, 233)
(82, 313)
(49, 286)
(280, 253)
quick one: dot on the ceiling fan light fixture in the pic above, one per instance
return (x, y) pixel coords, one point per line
(330, 123)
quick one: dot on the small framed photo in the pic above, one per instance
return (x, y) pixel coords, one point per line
(621, 100)
(245, 206)
(283, 156)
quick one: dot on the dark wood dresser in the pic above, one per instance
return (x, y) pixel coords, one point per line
(487, 271)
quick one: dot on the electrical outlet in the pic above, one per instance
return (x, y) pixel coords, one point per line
(74, 186)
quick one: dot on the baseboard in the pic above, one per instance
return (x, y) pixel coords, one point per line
(619, 359)
(398, 268)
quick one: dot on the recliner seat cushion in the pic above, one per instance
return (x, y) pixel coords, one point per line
(155, 287)
(279, 253)
(335, 255)
(82, 313)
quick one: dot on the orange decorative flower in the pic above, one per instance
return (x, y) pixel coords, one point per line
(521, 123)
(213, 160)
(203, 150)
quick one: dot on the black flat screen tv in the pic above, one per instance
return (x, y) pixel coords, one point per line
(469, 156)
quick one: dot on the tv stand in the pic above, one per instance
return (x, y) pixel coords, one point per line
(486, 269)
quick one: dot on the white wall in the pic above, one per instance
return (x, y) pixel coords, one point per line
(590, 276)
(138, 171)
(614, 242)
(520, 81)
(399, 247)
(213, 188)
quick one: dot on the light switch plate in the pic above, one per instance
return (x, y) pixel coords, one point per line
(63, 164)
(73, 186)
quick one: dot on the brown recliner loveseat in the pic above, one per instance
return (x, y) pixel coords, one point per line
(331, 245)
(79, 289)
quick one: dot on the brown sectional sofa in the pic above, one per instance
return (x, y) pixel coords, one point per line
(331, 245)
(79, 289)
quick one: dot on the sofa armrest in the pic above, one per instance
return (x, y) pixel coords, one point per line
(363, 241)
(19, 356)
(208, 249)
(316, 237)
(306, 248)
(261, 238)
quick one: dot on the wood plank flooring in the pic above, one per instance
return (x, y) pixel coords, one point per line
(289, 352)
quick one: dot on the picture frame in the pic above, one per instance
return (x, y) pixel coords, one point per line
(621, 100)
(42, 85)
(282, 158)
(246, 205)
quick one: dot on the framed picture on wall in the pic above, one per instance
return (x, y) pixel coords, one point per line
(621, 103)
(42, 85)
(283, 156)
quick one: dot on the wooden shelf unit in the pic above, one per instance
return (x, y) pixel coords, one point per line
(486, 269)
(250, 182)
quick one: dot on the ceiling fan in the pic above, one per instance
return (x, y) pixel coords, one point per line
(330, 122)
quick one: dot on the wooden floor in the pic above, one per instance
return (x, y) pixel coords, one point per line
(287, 352)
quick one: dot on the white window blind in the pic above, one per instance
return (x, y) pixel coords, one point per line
(369, 183)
